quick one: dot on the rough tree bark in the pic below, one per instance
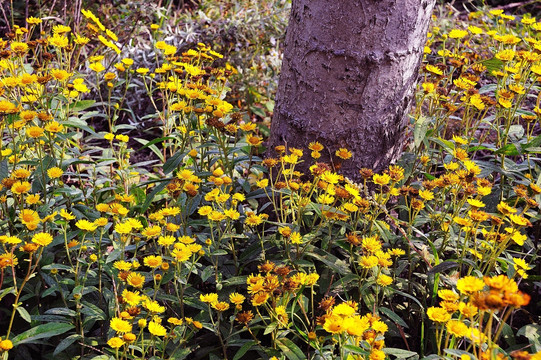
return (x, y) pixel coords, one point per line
(348, 76)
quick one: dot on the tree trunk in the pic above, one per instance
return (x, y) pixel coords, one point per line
(348, 76)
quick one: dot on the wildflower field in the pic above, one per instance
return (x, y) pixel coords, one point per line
(142, 216)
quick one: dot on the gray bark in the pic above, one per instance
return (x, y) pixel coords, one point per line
(348, 76)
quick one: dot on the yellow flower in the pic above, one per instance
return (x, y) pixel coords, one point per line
(20, 187)
(33, 21)
(54, 127)
(32, 199)
(434, 69)
(220, 306)
(55, 172)
(8, 259)
(122, 265)
(6, 345)
(136, 280)
(476, 203)
(368, 262)
(457, 34)
(86, 225)
(236, 298)
(381, 180)
(58, 40)
(29, 218)
(208, 298)
(505, 55)
(469, 284)
(123, 228)
(295, 238)
(438, 314)
(42, 239)
(254, 140)
(156, 329)
(519, 220)
(120, 326)
(34, 131)
(343, 153)
(153, 306)
(97, 67)
(456, 328)
(19, 47)
(384, 280)
(521, 267)
(334, 324)
(153, 261)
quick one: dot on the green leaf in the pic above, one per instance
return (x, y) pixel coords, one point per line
(356, 350)
(493, 65)
(419, 132)
(244, 349)
(151, 196)
(509, 149)
(393, 316)
(24, 314)
(67, 342)
(44, 331)
(289, 349)
(400, 353)
(4, 170)
(173, 162)
(444, 266)
(82, 105)
(459, 353)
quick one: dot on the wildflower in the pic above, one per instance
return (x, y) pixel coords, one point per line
(34, 131)
(457, 34)
(54, 127)
(153, 306)
(208, 298)
(156, 329)
(381, 180)
(97, 67)
(521, 267)
(519, 220)
(469, 284)
(244, 317)
(438, 314)
(220, 306)
(384, 280)
(58, 40)
(371, 244)
(434, 69)
(368, 262)
(253, 140)
(42, 239)
(456, 328)
(334, 324)
(426, 194)
(153, 261)
(8, 260)
(55, 172)
(136, 280)
(120, 326)
(505, 55)
(20, 187)
(260, 298)
(86, 225)
(123, 228)
(343, 153)
(476, 203)
(28, 217)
